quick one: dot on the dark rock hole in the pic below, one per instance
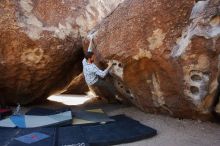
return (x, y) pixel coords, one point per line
(196, 78)
(128, 92)
(194, 90)
(119, 65)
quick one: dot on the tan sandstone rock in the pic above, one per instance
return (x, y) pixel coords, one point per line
(40, 44)
(167, 54)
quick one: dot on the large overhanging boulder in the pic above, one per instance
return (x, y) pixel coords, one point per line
(167, 54)
(40, 44)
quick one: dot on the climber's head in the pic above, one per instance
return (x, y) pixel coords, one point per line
(90, 57)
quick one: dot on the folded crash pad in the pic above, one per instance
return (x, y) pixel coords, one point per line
(79, 116)
(39, 111)
(31, 121)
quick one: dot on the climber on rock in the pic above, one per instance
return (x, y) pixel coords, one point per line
(93, 75)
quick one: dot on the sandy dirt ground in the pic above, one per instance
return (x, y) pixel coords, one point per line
(171, 131)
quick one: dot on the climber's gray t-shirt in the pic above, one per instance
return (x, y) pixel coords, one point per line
(92, 72)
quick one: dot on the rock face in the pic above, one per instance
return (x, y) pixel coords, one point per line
(166, 51)
(166, 54)
(40, 44)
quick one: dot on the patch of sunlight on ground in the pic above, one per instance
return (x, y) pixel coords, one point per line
(70, 99)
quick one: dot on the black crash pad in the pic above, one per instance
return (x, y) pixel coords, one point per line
(123, 130)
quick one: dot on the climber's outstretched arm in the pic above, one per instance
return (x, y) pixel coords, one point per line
(91, 45)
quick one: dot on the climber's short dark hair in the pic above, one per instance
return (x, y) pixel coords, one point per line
(88, 55)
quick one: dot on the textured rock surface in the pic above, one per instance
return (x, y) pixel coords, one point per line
(167, 54)
(166, 51)
(40, 44)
